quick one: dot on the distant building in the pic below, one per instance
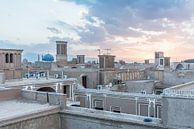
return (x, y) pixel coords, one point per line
(61, 57)
(47, 58)
(80, 59)
(161, 62)
(189, 61)
(106, 61)
(166, 61)
(147, 62)
(122, 62)
(73, 61)
(11, 63)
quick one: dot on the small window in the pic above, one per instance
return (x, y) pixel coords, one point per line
(98, 104)
(143, 109)
(7, 58)
(158, 92)
(115, 109)
(11, 58)
(161, 62)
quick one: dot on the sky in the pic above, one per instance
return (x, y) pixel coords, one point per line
(132, 29)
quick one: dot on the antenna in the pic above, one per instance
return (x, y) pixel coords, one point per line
(99, 51)
(107, 51)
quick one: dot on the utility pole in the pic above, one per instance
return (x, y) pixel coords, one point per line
(99, 51)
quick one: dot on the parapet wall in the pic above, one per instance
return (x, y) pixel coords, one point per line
(178, 112)
(51, 121)
(45, 97)
(8, 94)
(80, 118)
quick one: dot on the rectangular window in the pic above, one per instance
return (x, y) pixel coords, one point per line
(161, 62)
(116, 109)
(11, 58)
(158, 115)
(7, 58)
(98, 104)
(143, 109)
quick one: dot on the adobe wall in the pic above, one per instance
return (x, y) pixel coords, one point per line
(178, 113)
(78, 121)
(44, 122)
(92, 76)
(178, 77)
(139, 86)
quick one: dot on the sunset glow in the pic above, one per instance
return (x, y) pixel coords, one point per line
(132, 29)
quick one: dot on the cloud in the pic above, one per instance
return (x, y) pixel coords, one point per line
(54, 30)
(131, 28)
(93, 34)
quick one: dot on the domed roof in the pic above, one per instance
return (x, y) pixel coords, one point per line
(48, 57)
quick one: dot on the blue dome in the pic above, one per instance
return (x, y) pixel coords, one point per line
(48, 57)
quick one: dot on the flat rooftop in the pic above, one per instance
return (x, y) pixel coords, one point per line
(183, 87)
(140, 81)
(20, 109)
(184, 90)
(113, 93)
(2, 49)
(34, 81)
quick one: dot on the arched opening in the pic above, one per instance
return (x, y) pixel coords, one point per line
(84, 81)
(179, 67)
(7, 58)
(158, 92)
(46, 89)
(11, 58)
(66, 90)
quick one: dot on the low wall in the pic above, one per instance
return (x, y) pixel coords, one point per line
(83, 119)
(178, 77)
(45, 97)
(7, 94)
(139, 86)
(43, 122)
(178, 112)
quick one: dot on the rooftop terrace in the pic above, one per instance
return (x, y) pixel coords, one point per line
(113, 93)
(182, 90)
(34, 81)
(23, 109)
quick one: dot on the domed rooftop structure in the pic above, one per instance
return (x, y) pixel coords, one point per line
(48, 58)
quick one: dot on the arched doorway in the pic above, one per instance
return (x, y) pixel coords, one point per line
(46, 89)
(84, 80)
(179, 67)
